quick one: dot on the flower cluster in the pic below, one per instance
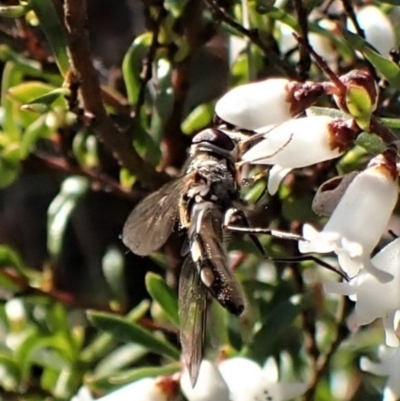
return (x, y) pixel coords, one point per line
(359, 205)
(239, 379)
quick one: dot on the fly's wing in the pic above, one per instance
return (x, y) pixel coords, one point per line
(151, 222)
(192, 316)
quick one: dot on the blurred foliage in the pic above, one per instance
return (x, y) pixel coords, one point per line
(64, 198)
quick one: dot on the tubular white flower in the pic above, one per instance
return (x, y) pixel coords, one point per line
(267, 102)
(389, 366)
(360, 218)
(299, 143)
(209, 386)
(83, 394)
(247, 381)
(147, 389)
(320, 43)
(385, 301)
(378, 29)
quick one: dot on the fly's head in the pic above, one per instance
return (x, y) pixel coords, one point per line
(214, 141)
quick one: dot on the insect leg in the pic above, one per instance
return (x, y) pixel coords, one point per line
(233, 212)
(253, 230)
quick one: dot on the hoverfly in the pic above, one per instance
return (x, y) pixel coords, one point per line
(201, 203)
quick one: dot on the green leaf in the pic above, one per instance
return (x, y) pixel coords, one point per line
(132, 332)
(113, 265)
(123, 356)
(13, 11)
(164, 296)
(282, 16)
(175, 7)
(42, 103)
(325, 111)
(9, 258)
(29, 92)
(132, 65)
(391, 122)
(372, 143)
(12, 76)
(198, 118)
(60, 210)
(393, 2)
(46, 351)
(54, 32)
(9, 373)
(272, 327)
(387, 68)
(8, 172)
(28, 66)
(104, 341)
(132, 375)
(38, 129)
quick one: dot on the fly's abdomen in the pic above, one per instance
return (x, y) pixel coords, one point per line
(208, 253)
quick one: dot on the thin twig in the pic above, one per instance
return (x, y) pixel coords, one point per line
(254, 38)
(348, 8)
(106, 183)
(305, 59)
(119, 144)
(307, 320)
(148, 64)
(341, 334)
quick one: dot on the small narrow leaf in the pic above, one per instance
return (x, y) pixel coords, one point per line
(13, 11)
(60, 209)
(387, 68)
(272, 327)
(163, 295)
(132, 332)
(132, 65)
(53, 30)
(104, 341)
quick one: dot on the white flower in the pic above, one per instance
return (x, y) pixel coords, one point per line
(378, 29)
(389, 366)
(385, 301)
(209, 386)
(320, 43)
(83, 395)
(247, 381)
(267, 102)
(360, 218)
(243, 380)
(299, 143)
(147, 389)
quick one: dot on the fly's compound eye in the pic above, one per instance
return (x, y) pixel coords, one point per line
(216, 138)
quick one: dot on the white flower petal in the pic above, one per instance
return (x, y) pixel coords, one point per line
(391, 338)
(348, 264)
(370, 194)
(392, 389)
(210, 384)
(295, 143)
(142, 390)
(378, 369)
(390, 366)
(359, 219)
(240, 373)
(270, 369)
(248, 106)
(317, 241)
(271, 392)
(339, 288)
(275, 177)
(377, 28)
